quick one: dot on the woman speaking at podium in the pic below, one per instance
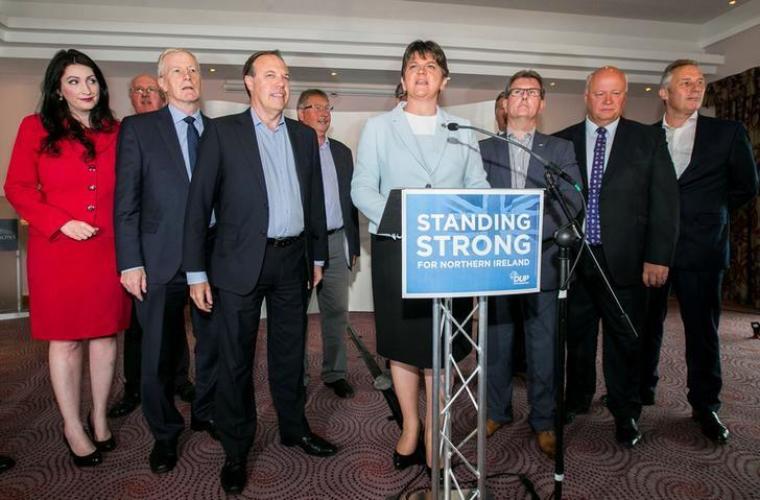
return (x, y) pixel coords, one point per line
(410, 147)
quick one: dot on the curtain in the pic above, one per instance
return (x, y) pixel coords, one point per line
(737, 98)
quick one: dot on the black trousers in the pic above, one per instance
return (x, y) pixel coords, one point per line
(162, 308)
(283, 284)
(698, 294)
(590, 301)
(133, 355)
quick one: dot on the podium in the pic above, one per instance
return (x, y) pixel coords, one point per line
(464, 243)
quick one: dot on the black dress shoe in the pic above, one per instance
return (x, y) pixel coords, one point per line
(572, 411)
(417, 457)
(163, 456)
(312, 444)
(647, 398)
(6, 463)
(185, 391)
(711, 426)
(102, 446)
(91, 460)
(627, 432)
(341, 388)
(233, 476)
(127, 405)
(199, 425)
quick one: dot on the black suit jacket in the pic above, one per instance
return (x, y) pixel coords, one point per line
(151, 193)
(638, 202)
(229, 177)
(344, 165)
(721, 175)
(496, 162)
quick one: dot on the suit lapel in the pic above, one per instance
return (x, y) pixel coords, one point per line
(700, 141)
(249, 145)
(619, 149)
(535, 174)
(403, 133)
(440, 139)
(344, 179)
(168, 133)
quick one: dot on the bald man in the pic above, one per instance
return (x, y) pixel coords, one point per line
(631, 224)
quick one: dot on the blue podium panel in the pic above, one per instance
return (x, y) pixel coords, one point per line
(471, 242)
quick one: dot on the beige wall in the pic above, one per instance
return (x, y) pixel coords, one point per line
(742, 51)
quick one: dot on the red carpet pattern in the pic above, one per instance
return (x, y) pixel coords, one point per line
(674, 461)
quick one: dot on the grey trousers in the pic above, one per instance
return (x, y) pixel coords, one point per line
(332, 296)
(539, 313)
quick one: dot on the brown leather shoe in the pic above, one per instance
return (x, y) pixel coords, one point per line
(547, 442)
(492, 426)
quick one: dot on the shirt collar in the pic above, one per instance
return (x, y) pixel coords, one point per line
(178, 115)
(257, 121)
(326, 144)
(528, 136)
(689, 121)
(611, 127)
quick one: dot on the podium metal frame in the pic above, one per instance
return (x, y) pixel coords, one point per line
(471, 390)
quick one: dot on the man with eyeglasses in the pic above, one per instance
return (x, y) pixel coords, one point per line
(631, 225)
(146, 96)
(155, 160)
(343, 241)
(508, 166)
(716, 173)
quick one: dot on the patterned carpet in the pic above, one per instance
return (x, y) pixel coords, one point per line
(673, 461)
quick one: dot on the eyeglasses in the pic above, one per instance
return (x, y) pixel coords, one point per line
(318, 108)
(144, 91)
(523, 92)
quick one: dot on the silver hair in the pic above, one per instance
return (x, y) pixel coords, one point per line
(168, 52)
(667, 74)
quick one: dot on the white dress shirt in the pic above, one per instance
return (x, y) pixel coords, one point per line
(681, 142)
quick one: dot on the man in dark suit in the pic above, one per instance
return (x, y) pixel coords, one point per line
(343, 240)
(155, 160)
(146, 96)
(262, 171)
(631, 225)
(716, 173)
(508, 166)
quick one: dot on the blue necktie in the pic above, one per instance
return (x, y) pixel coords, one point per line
(192, 140)
(593, 227)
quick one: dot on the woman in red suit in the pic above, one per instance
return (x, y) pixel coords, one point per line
(61, 180)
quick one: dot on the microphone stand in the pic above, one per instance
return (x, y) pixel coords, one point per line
(565, 238)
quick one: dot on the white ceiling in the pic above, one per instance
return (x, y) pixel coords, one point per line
(362, 40)
(682, 11)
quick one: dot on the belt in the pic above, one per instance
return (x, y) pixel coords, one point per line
(333, 231)
(283, 242)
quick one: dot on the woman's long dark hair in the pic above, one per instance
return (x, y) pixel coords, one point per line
(54, 110)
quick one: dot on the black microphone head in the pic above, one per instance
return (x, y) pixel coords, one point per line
(452, 126)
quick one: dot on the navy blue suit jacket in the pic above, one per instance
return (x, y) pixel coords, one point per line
(495, 155)
(229, 178)
(151, 193)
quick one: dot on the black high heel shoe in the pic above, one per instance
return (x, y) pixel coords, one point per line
(91, 460)
(417, 457)
(102, 446)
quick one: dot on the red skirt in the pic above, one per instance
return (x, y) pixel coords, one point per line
(74, 288)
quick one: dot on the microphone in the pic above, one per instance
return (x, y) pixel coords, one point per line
(548, 165)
